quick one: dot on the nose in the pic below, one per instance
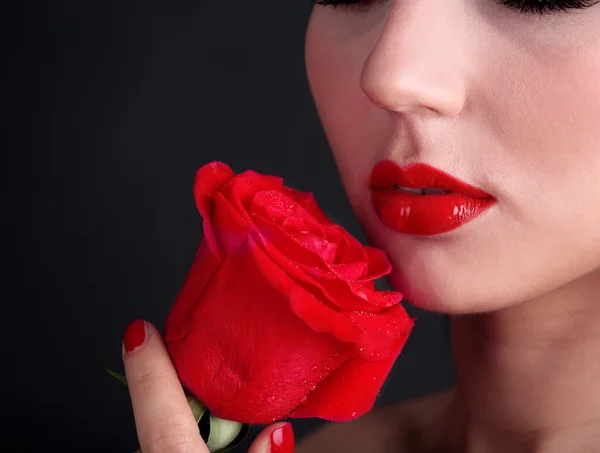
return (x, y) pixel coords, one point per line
(418, 61)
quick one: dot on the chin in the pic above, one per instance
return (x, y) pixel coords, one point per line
(445, 293)
(448, 274)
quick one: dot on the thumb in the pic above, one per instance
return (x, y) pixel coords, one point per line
(277, 438)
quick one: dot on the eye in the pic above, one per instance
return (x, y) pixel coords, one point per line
(347, 3)
(547, 6)
(523, 6)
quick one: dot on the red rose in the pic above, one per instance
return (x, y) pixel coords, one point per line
(279, 316)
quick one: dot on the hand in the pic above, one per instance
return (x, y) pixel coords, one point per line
(163, 418)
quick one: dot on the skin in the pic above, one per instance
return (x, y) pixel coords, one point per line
(510, 103)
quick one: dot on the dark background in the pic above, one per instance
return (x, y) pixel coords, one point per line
(117, 104)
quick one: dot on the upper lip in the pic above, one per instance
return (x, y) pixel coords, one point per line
(418, 175)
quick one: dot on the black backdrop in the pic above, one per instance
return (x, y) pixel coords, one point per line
(117, 104)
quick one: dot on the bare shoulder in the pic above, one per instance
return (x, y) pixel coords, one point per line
(407, 427)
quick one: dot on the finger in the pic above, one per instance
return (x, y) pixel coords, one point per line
(163, 418)
(274, 439)
(277, 438)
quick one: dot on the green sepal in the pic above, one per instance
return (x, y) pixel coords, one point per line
(238, 440)
(222, 433)
(198, 409)
(119, 377)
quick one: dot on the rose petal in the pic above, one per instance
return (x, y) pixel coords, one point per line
(348, 295)
(383, 332)
(352, 389)
(274, 234)
(343, 250)
(239, 371)
(309, 241)
(309, 236)
(262, 182)
(307, 267)
(300, 268)
(296, 225)
(313, 227)
(242, 189)
(230, 230)
(356, 251)
(351, 250)
(379, 265)
(348, 393)
(210, 178)
(236, 191)
(374, 296)
(320, 247)
(304, 304)
(308, 202)
(277, 206)
(178, 323)
(321, 318)
(350, 272)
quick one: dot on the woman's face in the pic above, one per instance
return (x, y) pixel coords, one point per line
(505, 100)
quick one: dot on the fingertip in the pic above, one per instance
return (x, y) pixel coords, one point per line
(282, 439)
(276, 438)
(135, 335)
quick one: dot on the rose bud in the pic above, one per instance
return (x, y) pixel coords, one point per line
(279, 316)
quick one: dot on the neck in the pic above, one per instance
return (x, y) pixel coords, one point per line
(528, 377)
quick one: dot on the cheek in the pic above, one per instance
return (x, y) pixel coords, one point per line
(546, 115)
(547, 123)
(355, 128)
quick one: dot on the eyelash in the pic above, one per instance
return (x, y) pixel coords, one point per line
(524, 6)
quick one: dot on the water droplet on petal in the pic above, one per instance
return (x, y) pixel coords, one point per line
(314, 368)
(270, 399)
(313, 386)
(353, 414)
(304, 382)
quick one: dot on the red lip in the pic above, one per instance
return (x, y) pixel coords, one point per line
(427, 214)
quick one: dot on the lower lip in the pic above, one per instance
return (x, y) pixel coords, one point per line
(426, 215)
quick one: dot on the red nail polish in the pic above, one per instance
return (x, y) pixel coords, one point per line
(135, 335)
(282, 439)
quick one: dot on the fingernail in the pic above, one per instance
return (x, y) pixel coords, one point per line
(282, 439)
(135, 335)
